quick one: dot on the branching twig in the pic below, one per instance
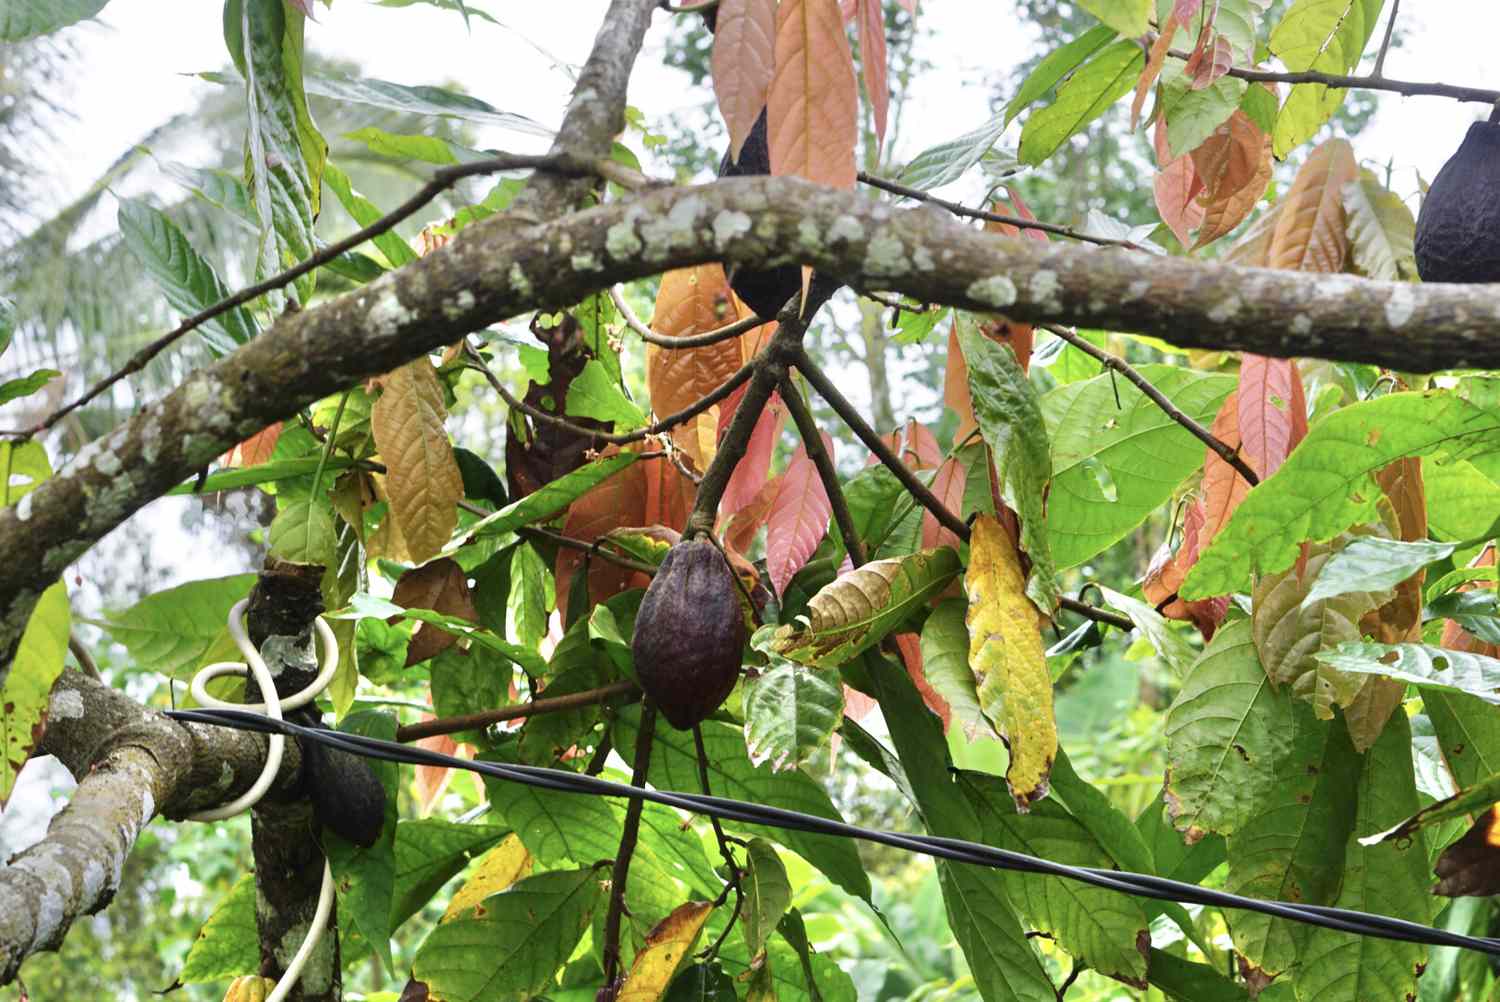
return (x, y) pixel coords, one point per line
(1115, 363)
(484, 718)
(812, 441)
(1385, 43)
(1410, 88)
(724, 333)
(957, 209)
(477, 362)
(442, 179)
(621, 872)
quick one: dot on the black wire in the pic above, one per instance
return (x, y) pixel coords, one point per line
(957, 850)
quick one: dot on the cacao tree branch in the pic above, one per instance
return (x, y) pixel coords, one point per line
(620, 874)
(531, 708)
(1117, 364)
(497, 269)
(1410, 88)
(812, 441)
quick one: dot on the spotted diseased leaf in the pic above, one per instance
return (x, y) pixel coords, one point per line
(422, 476)
(813, 117)
(858, 609)
(798, 518)
(1291, 627)
(497, 870)
(667, 947)
(25, 692)
(1311, 233)
(790, 713)
(743, 62)
(1008, 659)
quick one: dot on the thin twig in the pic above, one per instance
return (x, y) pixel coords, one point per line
(596, 547)
(812, 441)
(957, 209)
(442, 179)
(1385, 43)
(1115, 363)
(634, 322)
(82, 656)
(477, 362)
(1410, 88)
(724, 851)
(621, 872)
(1062, 989)
(851, 417)
(484, 718)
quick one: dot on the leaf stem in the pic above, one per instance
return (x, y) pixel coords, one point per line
(812, 441)
(620, 874)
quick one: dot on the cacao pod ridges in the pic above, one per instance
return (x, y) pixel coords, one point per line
(1458, 229)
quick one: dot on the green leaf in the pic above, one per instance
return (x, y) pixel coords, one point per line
(427, 149)
(1057, 65)
(170, 630)
(1186, 981)
(948, 161)
(26, 464)
(945, 664)
(1327, 36)
(265, 473)
(790, 713)
(1087, 94)
(524, 935)
(1386, 879)
(184, 277)
(1369, 563)
(26, 690)
(419, 101)
(674, 766)
(467, 682)
(1292, 848)
(1010, 418)
(7, 322)
(1326, 486)
(1126, 17)
(1101, 928)
(428, 852)
(364, 606)
(285, 153)
(228, 944)
(1468, 732)
(218, 188)
(364, 212)
(593, 394)
(857, 610)
(547, 500)
(1174, 649)
(23, 19)
(303, 533)
(1420, 664)
(556, 827)
(1382, 232)
(1461, 500)
(1228, 733)
(366, 876)
(702, 983)
(1193, 114)
(15, 389)
(1145, 453)
(768, 894)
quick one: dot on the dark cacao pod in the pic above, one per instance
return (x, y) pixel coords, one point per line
(1458, 231)
(690, 633)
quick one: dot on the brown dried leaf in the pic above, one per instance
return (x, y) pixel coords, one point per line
(1311, 234)
(441, 586)
(813, 117)
(422, 476)
(744, 59)
(1235, 165)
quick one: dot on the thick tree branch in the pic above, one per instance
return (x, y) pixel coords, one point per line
(496, 269)
(131, 764)
(1124, 368)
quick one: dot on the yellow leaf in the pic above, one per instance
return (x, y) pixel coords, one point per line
(1007, 659)
(498, 869)
(422, 476)
(667, 946)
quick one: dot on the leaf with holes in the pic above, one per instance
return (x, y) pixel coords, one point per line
(422, 475)
(1420, 664)
(858, 609)
(790, 713)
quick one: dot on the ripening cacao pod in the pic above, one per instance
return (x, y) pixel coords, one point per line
(250, 988)
(1458, 231)
(690, 633)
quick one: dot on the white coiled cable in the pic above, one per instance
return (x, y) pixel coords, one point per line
(254, 665)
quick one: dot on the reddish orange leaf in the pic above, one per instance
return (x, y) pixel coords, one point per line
(1176, 188)
(1154, 62)
(872, 60)
(813, 117)
(750, 472)
(433, 779)
(1311, 234)
(956, 387)
(1223, 487)
(254, 450)
(857, 705)
(741, 530)
(691, 301)
(1235, 164)
(1217, 61)
(910, 647)
(948, 485)
(798, 518)
(1272, 411)
(744, 59)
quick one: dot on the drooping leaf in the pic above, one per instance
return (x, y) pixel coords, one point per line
(872, 58)
(858, 609)
(790, 713)
(1144, 454)
(184, 277)
(1010, 419)
(1311, 234)
(364, 212)
(227, 945)
(25, 693)
(743, 63)
(421, 100)
(812, 114)
(497, 870)
(1328, 36)
(1235, 165)
(945, 664)
(1053, 67)
(798, 518)
(1420, 664)
(1327, 485)
(441, 586)
(549, 499)
(1106, 77)
(1370, 563)
(668, 946)
(768, 894)
(1171, 647)
(421, 474)
(1008, 661)
(1272, 411)
(514, 943)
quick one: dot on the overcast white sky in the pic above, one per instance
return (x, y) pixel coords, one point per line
(134, 66)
